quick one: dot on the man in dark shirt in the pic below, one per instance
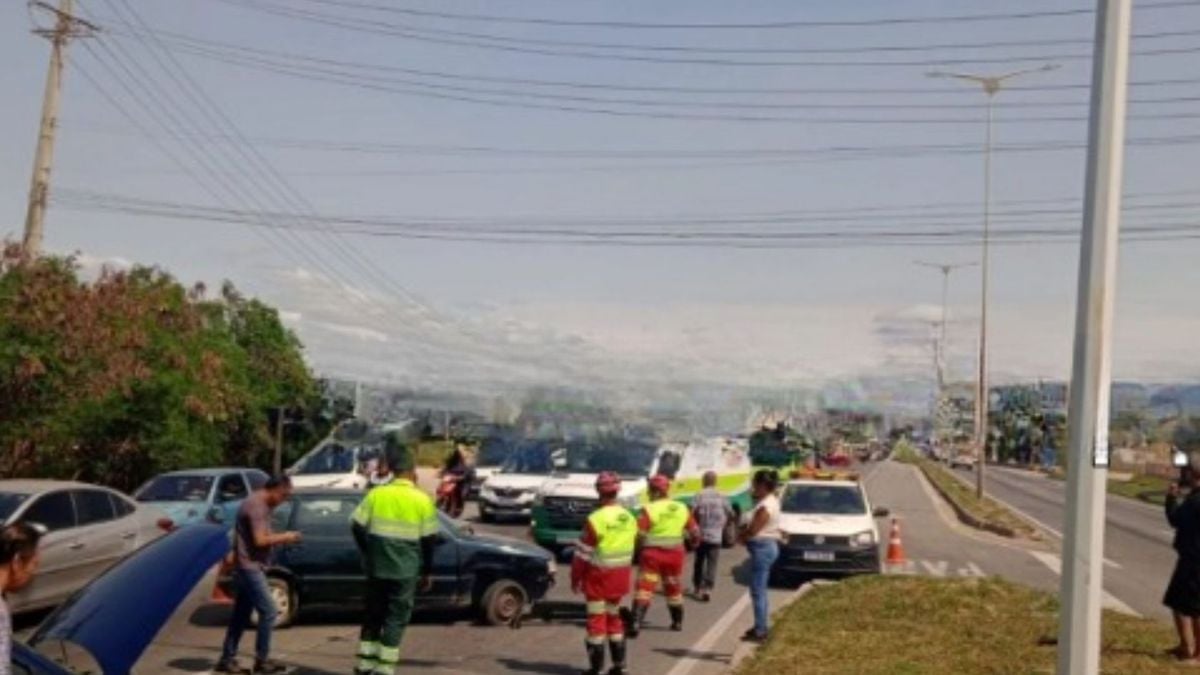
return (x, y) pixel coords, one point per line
(1183, 591)
(252, 545)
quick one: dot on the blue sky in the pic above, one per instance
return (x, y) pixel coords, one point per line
(791, 315)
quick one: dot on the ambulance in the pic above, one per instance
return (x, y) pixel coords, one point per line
(568, 496)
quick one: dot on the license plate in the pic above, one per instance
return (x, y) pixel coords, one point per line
(818, 556)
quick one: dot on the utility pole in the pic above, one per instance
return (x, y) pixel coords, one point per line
(945, 269)
(991, 84)
(1091, 376)
(66, 26)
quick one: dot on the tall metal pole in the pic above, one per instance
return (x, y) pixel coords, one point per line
(66, 26)
(1087, 467)
(991, 85)
(981, 380)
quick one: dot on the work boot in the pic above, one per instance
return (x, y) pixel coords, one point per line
(635, 621)
(595, 654)
(676, 617)
(617, 650)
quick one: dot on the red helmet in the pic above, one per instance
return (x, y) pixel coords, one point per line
(608, 484)
(660, 483)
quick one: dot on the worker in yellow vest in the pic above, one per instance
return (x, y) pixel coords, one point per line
(664, 524)
(396, 529)
(601, 571)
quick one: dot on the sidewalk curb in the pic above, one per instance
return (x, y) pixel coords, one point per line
(745, 649)
(966, 516)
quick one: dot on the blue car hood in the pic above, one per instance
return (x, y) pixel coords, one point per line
(118, 615)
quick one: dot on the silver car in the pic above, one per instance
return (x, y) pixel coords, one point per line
(88, 529)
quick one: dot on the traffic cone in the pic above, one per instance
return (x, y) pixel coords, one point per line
(895, 551)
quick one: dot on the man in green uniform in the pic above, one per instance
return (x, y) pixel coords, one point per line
(396, 529)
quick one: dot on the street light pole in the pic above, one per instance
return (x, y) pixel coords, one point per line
(1091, 376)
(945, 269)
(991, 85)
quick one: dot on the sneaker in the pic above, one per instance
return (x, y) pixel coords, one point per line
(269, 667)
(752, 637)
(230, 667)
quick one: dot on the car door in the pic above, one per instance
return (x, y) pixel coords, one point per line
(326, 563)
(228, 494)
(448, 569)
(101, 539)
(56, 512)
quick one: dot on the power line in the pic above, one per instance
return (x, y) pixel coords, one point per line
(514, 45)
(848, 23)
(188, 40)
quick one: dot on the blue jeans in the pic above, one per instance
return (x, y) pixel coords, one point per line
(763, 553)
(252, 593)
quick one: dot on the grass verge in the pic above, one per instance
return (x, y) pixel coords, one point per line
(898, 625)
(1150, 489)
(985, 513)
(433, 453)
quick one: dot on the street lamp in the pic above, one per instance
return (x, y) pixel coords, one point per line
(991, 85)
(945, 269)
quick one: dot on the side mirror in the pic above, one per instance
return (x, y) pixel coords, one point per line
(881, 512)
(216, 515)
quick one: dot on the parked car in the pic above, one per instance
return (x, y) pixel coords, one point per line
(493, 452)
(199, 495)
(496, 576)
(88, 529)
(344, 459)
(115, 617)
(511, 491)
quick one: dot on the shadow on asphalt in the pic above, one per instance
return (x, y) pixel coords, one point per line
(193, 665)
(712, 657)
(568, 612)
(543, 667)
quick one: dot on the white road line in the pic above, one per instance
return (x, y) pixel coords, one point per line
(700, 649)
(1055, 564)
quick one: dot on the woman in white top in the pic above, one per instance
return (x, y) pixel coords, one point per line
(761, 536)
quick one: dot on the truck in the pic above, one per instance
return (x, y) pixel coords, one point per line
(565, 500)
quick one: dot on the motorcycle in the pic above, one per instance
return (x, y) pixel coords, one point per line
(450, 494)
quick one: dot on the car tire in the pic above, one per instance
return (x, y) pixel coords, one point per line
(486, 516)
(502, 603)
(286, 603)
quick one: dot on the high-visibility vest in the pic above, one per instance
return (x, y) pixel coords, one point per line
(668, 520)
(398, 511)
(616, 536)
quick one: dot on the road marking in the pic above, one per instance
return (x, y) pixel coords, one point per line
(934, 568)
(700, 650)
(1037, 523)
(1055, 564)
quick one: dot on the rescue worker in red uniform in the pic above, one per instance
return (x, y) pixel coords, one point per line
(601, 570)
(663, 526)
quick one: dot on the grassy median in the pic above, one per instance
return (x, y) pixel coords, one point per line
(1150, 489)
(898, 625)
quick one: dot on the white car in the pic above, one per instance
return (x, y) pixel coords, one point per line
(345, 458)
(828, 527)
(511, 491)
(89, 528)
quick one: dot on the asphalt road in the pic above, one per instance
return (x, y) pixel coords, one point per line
(935, 545)
(1137, 539)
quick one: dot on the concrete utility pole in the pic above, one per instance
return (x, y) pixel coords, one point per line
(991, 84)
(66, 26)
(1091, 376)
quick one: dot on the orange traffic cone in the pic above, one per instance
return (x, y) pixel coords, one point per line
(895, 551)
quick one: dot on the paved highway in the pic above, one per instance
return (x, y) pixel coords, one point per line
(1137, 539)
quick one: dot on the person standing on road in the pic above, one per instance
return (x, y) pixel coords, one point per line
(601, 571)
(381, 472)
(1183, 591)
(761, 536)
(253, 542)
(712, 514)
(396, 529)
(19, 560)
(663, 525)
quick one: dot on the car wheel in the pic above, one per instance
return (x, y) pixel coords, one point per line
(286, 604)
(502, 603)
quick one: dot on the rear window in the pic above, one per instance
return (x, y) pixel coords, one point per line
(257, 479)
(9, 503)
(93, 506)
(176, 488)
(844, 500)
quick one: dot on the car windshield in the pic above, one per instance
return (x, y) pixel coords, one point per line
(842, 500)
(623, 458)
(493, 452)
(9, 503)
(530, 459)
(176, 488)
(329, 458)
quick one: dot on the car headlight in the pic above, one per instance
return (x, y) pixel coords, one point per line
(863, 539)
(486, 491)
